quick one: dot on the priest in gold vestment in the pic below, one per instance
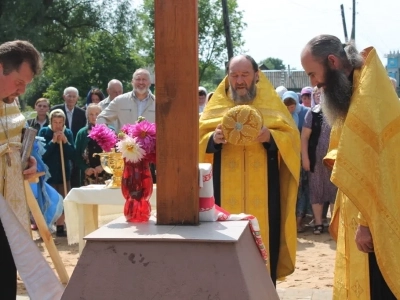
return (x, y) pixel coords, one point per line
(19, 62)
(364, 110)
(261, 178)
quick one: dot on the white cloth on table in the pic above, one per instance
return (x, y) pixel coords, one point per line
(89, 197)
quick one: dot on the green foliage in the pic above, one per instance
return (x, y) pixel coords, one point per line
(50, 25)
(273, 63)
(86, 43)
(35, 91)
(212, 45)
(91, 63)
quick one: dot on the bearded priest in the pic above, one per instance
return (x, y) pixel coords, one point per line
(364, 111)
(254, 144)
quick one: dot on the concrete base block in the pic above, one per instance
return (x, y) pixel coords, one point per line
(213, 261)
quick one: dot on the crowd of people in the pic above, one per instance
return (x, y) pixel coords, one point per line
(72, 164)
(333, 145)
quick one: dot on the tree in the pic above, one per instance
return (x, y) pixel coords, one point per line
(212, 45)
(273, 63)
(83, 44)
(88, 63)
(50, 25)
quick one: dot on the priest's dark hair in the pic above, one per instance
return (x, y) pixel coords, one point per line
(324, 45)
(14, 53)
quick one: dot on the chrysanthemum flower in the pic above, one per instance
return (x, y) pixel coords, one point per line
(127, 129)
(104, 136)
(145, 132)
(131, 149)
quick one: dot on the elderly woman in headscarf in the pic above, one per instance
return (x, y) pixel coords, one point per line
(280, 90)
(54, 135)
(91, 169)
(291, 100)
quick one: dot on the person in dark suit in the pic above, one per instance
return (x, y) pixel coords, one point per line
(75, 116)
(75, 120)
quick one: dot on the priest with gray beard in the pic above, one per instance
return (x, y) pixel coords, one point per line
(260, 178)
(364, 111)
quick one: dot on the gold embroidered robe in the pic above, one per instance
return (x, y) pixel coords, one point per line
(364, 155)
(11, 180)
(244, 176)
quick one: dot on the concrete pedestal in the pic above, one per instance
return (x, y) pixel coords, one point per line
(213, 261)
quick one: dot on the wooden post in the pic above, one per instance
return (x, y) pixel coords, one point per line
(176, 73)
(44, 230)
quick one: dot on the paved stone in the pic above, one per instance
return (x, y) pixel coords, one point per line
(304, 294)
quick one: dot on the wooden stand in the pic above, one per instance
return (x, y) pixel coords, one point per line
(43, 229)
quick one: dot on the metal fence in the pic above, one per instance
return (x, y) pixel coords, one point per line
(292, 80)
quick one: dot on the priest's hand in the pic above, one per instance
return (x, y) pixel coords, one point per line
(218, 135)
(364, 239)
(32, 168)
(264, 135)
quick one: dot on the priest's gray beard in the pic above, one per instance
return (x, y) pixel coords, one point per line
(247, 98)
(337, 95)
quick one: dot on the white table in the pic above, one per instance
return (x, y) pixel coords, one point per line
(81, 209)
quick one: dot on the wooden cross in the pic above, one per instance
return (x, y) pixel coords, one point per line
(176, 70)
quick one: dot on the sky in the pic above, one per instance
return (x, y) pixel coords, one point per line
(281, 28)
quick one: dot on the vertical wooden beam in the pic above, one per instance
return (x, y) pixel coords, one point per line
(176, 71)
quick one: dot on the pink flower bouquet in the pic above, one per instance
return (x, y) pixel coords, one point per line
(104, 136)
(135, 141)
(138, 141)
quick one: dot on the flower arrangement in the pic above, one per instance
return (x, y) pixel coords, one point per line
(138, 141)
(104, 136)
(135, 141)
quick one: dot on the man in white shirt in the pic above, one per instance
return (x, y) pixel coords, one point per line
(126, 108)
(114, 89)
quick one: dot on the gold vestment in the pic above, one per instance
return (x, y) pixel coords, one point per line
(11, 180)
(244, 176)
(364, 154)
